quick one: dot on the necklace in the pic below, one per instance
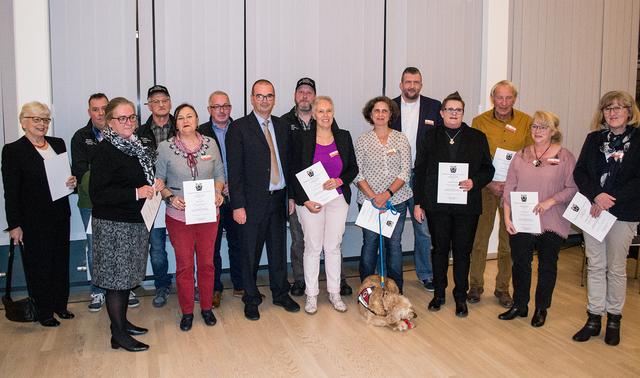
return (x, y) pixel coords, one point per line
(452, 140)
(40, 146)
(538, 162)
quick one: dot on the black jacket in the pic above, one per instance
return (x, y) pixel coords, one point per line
(304, 147)
(291, 120)
(434, 149)
(27, 198)
(429, 112)
(146, 135)
(627, 182)
(83, 146)
(206, 130)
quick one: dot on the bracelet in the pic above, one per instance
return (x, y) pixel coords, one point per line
(168, 200)
(390, 192)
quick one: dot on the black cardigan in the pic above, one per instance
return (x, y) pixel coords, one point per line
(627, 182)
(115, 176)
(434, 149)
(304, 147)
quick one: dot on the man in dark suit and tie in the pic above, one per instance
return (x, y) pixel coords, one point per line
(417, 115)
(257, 164)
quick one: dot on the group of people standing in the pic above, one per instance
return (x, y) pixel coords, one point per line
(118, 165)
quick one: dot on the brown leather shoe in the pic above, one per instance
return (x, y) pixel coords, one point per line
(504, 298)
(238, 293)
(217, 297)
(473, 296)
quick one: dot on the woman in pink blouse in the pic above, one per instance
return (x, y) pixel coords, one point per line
(544, 167)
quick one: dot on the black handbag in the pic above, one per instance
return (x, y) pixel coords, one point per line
(23, 310)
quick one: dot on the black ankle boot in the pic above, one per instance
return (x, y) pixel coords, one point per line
(612, 334)
(591, 328)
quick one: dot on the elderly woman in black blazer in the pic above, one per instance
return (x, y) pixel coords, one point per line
(122, 178)
(324, 226)
(41, 224)
(452, 226)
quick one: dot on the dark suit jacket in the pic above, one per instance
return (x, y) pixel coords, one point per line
(26, 190)
(249, 163)
(429, 111)
(146, 136)
(206, 130)
(434, 149)
(304, 147)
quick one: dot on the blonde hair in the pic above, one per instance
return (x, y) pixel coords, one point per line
(621, 97)
(33, 107)
(321, 98)
(549, 119)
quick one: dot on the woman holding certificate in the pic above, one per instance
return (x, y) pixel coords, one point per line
(384, 159)
(184, 159)
(453, 164)
(33, 219)
(122, 180)
(543, 170)
(324, 225)
(608, 174)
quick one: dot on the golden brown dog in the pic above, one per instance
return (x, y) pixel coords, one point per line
(384, 306)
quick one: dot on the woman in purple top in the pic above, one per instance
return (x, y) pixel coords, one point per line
(544, 167)
(324, 225)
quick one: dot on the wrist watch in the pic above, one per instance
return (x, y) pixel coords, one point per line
(168, 199)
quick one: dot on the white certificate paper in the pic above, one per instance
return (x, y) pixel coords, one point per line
(150, 210)
(577, 212)
(200, 201)
(58, 172)
(449, 177)
(368, 218)
(312, 179)
(522, 216)
(501, 161)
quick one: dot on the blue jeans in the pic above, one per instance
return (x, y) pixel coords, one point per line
(392, 250)
(85, 214)
(158, 254)
(421, 246)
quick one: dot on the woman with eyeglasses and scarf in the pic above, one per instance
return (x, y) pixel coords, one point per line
(122, 178)
(608, 173)
(190, 156)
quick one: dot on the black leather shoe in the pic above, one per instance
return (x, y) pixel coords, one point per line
(65, 314)
(435, 303)
(251, 311)
(288, 303)
(51, 322)
(539, 317)
(186, 322)
(345, 289)
(461, 309)
(297, 289)
(209, 318)
(134, 330)
(513, 313)
(133, 346)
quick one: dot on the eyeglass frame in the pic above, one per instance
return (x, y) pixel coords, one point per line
(614, 109)
(36, 119)
(260, 97)
(223, 107)
(123, 119)
(454, 110)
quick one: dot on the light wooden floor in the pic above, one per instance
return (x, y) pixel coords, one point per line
(333, 344)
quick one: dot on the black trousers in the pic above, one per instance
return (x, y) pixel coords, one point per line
(270, 229)
(452, 233)
(522, 245)
(46, 265)
(232, 229)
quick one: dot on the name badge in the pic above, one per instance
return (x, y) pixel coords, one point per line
(428, 122)
(510, 128)
(618, 155)
(334, 153)
(392, 152)
(553, 161)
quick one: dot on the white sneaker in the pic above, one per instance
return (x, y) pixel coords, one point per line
(311, 304)
(336, 301)
(97, 301)
(133, 300)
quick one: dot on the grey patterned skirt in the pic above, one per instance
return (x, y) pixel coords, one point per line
(119, 254)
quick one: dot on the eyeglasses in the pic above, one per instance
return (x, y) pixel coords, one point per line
(43, 120)
(160, 102)
(188, 118)
(225, 107)
(614, 109)
(132, 118)
(454, 110)
(539, 127)
(269, 97)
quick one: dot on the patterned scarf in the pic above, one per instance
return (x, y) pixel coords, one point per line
(613, 147)
(133, 147)
(190, 155)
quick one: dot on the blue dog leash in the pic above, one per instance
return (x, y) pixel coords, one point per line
(388, 206)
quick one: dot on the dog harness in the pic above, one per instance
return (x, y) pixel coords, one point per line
(364, 297)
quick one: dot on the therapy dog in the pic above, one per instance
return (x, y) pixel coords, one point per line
(384, 306)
